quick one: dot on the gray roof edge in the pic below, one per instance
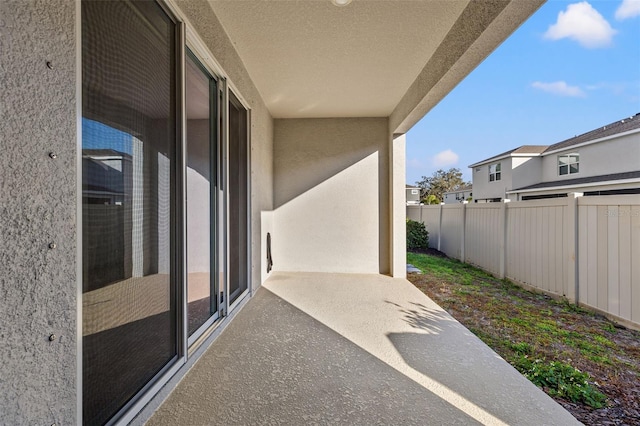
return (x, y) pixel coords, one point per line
(511, 153)
(625, 125)
(581, 181)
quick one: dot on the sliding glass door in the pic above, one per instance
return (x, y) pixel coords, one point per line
(165, 203)
(238, 167)
(202, 188)
(129, 162)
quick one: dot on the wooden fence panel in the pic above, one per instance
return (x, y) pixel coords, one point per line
(535, 244)
(482, 236)
(451, 237)
(537, 249)
(413, 213)
(609, 253)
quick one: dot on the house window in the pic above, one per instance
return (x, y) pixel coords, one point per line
(494, 172)
(568, 164)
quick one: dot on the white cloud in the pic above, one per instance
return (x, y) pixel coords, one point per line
(582, 23)
(414, 163)
(445, 158)
(628, 9)
(559, 88)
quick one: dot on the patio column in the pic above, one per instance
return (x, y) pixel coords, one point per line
(398, 208)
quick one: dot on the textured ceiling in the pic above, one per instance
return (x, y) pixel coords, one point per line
(313, 59)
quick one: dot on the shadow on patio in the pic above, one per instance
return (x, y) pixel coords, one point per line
(351, 349)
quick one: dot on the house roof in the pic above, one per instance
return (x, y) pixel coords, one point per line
(397, 59)
(461, 189)
(412, 186)
(522, 150)
(620, 126)
(581, 181)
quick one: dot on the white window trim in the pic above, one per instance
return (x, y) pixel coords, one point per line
(568, 164)
(497, 173)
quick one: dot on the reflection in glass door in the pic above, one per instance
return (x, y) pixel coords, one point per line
(129, 159)
(238, 199)
(201, 149)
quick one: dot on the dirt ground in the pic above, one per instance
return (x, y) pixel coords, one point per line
(507, 318)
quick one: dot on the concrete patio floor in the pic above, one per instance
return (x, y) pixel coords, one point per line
(312, 348)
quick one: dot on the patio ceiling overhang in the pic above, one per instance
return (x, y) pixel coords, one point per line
(309, 58)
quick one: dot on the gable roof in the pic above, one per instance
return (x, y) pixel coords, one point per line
(461, 189)
(523, 150)
(611, 129)
(620, 126)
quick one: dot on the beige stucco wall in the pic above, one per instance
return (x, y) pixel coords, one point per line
(398, 217)
(331, 192)
(201, 18)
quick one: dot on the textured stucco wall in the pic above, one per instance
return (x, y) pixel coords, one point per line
(201, 18)
(37, 207)
(331, 185)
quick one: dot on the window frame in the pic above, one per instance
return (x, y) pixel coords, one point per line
(495, 172)
(568, 164)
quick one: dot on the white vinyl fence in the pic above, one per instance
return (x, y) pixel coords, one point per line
(586, 249)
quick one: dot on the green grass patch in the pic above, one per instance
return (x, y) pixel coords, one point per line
(603, 341)
(561, 347)
(562, 380)
(522, 348)
(607, 326)
(447, 269)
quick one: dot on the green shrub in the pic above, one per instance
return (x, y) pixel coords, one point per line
(561, 380)
(417, 235)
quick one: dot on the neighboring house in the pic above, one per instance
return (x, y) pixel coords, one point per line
(604, 161)
(493, 177)
(460, 195)
(155, 153)
(413, 195)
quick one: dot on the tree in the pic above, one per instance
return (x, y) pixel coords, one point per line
(441, 181)
(430, 199)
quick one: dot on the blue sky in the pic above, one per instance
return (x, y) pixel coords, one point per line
(572, 67)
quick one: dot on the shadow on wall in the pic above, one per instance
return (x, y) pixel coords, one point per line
(309, 151)
(331, 201)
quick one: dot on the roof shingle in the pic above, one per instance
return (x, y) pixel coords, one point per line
(620, 126)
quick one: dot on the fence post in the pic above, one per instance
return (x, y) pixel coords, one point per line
(464, 230)
(572, 250)
(440, 227)
(503, 239)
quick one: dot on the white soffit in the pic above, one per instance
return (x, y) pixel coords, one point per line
(309, 58)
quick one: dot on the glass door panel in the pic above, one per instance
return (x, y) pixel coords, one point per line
(201, 190)
(128, 201)
(238, 199)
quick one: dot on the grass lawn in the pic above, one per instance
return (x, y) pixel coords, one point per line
(587, 363)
